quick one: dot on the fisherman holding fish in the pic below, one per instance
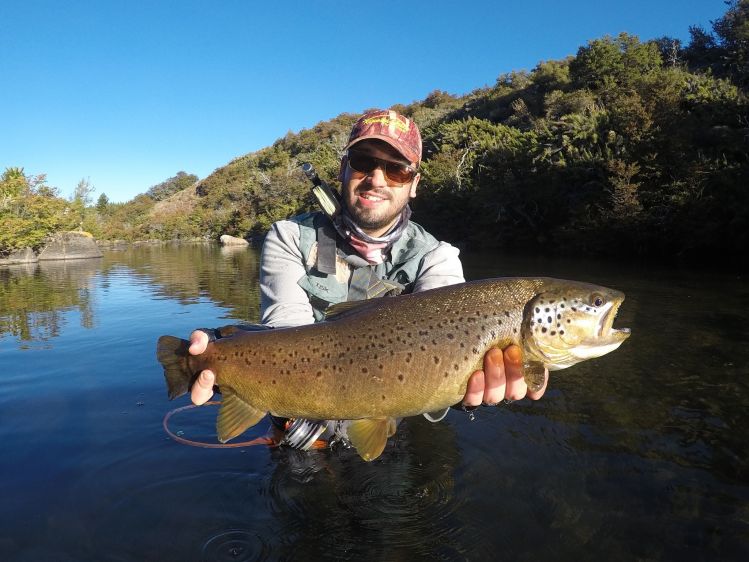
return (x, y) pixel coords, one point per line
(367, 247)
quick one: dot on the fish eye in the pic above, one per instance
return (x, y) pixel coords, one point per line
(597, 300)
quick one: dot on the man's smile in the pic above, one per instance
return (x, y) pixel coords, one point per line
(368, 198)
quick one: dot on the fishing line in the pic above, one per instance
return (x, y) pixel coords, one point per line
(165, 424)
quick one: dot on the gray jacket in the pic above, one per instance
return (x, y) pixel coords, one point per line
(287, 268)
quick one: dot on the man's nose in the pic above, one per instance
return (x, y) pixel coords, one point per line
(377, 177)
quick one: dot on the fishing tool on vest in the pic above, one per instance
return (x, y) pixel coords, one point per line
(326, 196)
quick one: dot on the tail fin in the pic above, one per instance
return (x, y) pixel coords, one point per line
(172, 354)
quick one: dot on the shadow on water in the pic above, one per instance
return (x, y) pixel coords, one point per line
(639, 454)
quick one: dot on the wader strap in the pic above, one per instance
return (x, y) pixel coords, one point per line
(360, 281)
(366, 284)
(326, 250)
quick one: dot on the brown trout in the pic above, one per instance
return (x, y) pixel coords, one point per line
(376, 360)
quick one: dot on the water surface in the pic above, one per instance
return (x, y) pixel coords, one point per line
(640, 454)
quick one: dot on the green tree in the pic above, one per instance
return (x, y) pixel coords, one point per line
(178, 182)
(102, 204)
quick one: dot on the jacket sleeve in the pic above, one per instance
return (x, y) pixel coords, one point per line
(441, 267)
(283, 302)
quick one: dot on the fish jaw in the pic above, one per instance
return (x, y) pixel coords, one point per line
(573, 324)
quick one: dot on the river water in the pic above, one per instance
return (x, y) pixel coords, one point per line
(638, 455)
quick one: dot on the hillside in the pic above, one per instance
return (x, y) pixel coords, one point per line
(627, 148)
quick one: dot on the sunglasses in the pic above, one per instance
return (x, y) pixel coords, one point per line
(395, 172)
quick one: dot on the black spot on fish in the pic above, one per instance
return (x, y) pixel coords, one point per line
(343, 387)
(569, 321)
(364, 370)
(450, 336)
(401, 377)
(318, 374)
(553, 333)
(543, 330)
(561, 332)
(273, 381)
(383, 397)
(546, 310)
(507, 313)
(514, 330)
(455, 367)
(436, 360)
(549, 319)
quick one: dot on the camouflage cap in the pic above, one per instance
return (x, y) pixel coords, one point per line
(398, 131)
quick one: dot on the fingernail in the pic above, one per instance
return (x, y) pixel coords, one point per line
(496, 357)
(514, 354)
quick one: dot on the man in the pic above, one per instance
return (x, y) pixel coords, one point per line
(369, 249)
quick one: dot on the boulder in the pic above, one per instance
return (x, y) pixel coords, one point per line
(227, 240)
(70, 246)
(24, 255)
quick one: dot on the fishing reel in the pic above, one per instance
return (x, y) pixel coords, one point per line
(326, 196)
(301, 434)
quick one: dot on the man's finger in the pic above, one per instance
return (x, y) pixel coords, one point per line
(198, 342)
(516, 388)
(202, 390)
(494, 376)
(474, 390)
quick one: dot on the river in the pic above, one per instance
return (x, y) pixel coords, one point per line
(638, 455)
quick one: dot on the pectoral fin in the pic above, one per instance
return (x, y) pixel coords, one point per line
(534, 374)
(235, 416)
(438, 416)
(369, 436)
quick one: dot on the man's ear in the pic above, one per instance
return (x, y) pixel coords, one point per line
(414, 183)
(342, 169)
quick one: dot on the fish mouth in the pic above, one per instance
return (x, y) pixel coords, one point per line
(606, 330)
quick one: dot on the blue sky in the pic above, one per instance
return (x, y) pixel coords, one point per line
(128, 93)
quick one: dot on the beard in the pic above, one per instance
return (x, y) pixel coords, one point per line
(373, 219)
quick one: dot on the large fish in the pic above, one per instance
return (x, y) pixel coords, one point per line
(387, 358)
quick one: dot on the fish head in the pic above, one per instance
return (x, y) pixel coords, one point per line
(569, 322)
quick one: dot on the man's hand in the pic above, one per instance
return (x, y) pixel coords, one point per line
(501, 379)
(202, 390)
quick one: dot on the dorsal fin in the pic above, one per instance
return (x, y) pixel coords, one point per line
(338, 310)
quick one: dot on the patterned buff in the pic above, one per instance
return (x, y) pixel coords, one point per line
(373, 249)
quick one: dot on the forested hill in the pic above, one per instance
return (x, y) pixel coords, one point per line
(626, 148)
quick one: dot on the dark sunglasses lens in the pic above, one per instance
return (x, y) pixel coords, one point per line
(362, 163)
(398, 173)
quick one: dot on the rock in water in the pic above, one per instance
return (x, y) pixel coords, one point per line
(227, 240)
(70, 246)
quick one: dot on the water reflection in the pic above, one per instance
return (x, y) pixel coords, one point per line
(34, 298)
(639, 454)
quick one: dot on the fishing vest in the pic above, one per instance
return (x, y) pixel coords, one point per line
(336, 273)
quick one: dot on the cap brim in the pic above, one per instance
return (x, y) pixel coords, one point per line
(410, 157)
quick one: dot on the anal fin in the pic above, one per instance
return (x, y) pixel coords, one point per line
(369, 436)
(235, 416)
